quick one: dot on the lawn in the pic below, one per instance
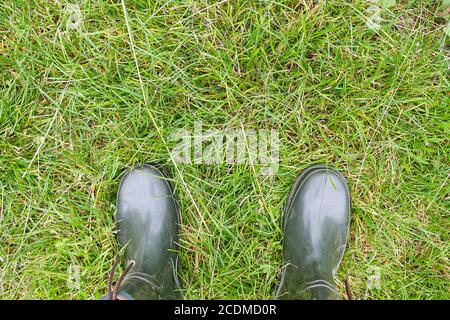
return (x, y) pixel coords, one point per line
(88, 89)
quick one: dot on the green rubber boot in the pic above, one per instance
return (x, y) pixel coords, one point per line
(148, 218)
(316, 224)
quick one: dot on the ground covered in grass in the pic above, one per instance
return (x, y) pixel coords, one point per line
(79, 104)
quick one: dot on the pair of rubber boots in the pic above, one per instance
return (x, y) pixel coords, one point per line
(316, 223)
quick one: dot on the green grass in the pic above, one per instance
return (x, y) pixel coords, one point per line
(73, 116)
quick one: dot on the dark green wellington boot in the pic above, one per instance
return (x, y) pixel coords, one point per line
(316, 223)
(148, 217)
